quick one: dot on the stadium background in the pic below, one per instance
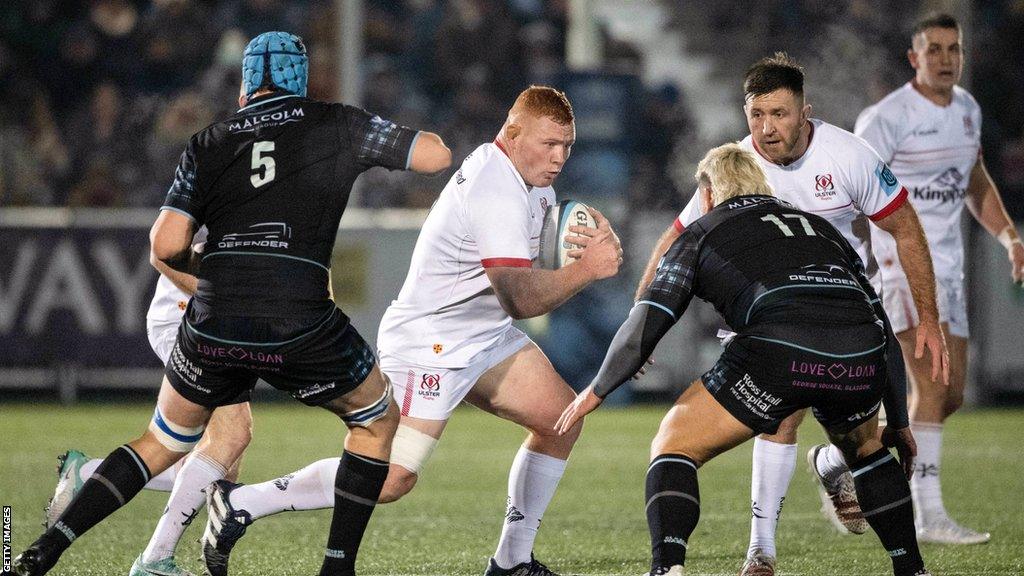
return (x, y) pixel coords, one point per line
(98, 97)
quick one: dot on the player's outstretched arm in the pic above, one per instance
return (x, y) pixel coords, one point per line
(667, 238)
(634, 342)
(529, 292)
(429, 154)
(915, 258)
(170, 242)
(986, 206)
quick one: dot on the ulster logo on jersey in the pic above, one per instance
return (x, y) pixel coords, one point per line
(823, 186)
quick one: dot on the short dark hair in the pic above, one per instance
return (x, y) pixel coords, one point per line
(934, 20)
(773, 73)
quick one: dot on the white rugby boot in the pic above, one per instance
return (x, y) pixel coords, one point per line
(839, 504)
(943, 530)
(69, 484)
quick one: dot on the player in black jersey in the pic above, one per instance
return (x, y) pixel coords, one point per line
(270, 183)
(810, 332)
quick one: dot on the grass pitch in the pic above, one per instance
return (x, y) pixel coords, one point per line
(450, 523)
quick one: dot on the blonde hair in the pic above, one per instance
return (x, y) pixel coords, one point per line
(731, 171)
(544, 102)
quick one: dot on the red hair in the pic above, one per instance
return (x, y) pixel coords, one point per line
(545, 102)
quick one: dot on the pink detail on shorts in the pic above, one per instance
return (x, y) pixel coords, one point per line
(407, 400)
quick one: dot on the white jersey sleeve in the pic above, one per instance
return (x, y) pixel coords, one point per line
(499, 221)
(875, 189)
(690, 213)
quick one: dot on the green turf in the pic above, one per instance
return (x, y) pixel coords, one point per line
(450, 523)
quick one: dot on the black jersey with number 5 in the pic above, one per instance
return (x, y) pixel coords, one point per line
(774, 273)
(271, 183)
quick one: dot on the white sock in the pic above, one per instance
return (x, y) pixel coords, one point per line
(773, 468)
(531, 484)
(311, 488)
(162, 482)
(924, 485)
(830, 464)
(187, 498)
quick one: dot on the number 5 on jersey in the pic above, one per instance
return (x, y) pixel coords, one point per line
(259, 161)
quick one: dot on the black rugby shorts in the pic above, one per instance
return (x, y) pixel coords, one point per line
(761, 383)
(328, 361)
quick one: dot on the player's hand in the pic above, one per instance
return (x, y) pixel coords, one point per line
(601, 251)
(906, 448)
(585, 403)
(1016, 255)
(929, 335)
(643, 369)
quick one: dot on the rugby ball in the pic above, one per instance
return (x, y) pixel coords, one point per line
(554, 250)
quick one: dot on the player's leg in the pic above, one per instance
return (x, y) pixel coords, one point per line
(694, 431)
(524, 388)
(930, 405)
(227, 435)
(773, 463)
(74, 467)
(415, 440)
(884, 493)
(371, 416)
(312, 487)
(176, 427)
(427, 397)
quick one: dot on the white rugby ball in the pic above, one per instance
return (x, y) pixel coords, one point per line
(554, 250)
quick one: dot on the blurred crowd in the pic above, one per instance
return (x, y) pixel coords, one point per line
(100, 96)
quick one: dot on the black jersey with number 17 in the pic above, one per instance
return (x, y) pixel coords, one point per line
(775, 274)
(271, 183)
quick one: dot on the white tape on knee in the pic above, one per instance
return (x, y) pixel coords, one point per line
(411, 448)
(172, 436)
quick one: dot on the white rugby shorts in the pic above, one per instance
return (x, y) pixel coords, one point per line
(950, 297)
(162, 334)
(433, 393)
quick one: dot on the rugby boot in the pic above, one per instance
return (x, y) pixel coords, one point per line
(531, 568)
(34, 562)
(839, 504)
(224, 526)
(69, 484)
(676, 570)
(943, 530)
(161, 567)
(758, 564)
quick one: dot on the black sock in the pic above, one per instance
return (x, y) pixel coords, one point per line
(884, 495)
(356, 489)
(673, 508)
(120, 476)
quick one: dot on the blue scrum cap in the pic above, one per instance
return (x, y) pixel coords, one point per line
(275, 59)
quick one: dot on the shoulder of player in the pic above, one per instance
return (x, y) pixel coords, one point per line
(845, 147)
(487, 169)
(967, 99)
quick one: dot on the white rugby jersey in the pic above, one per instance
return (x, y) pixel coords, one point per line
(447, 311)
(169, 301)
(839, 177)
(932, 149)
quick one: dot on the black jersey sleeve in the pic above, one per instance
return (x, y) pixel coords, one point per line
(672, 287)
(377, 141)
(183, 196)
(662, 304)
